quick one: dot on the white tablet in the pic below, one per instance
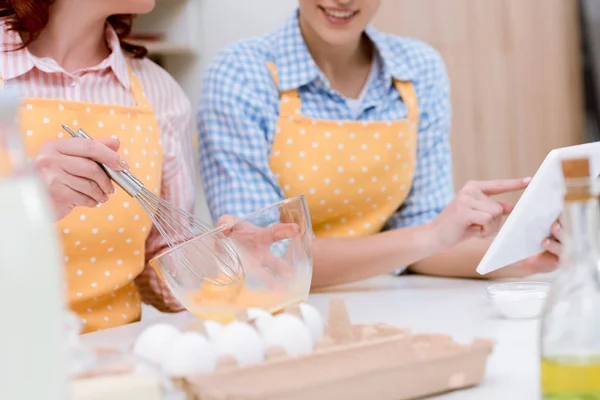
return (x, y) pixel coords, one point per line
(540, 205)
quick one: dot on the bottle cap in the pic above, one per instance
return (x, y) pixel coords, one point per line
(576, 168)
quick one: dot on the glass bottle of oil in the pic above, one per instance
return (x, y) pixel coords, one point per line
(570, 328)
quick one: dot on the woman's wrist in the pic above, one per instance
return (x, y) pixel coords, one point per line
(421, 241)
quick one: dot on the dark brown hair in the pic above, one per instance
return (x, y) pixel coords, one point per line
(31, 16)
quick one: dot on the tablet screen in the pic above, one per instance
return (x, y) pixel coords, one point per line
(529, 224)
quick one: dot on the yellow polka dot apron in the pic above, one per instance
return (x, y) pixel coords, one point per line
(103, 247)
(355, 175)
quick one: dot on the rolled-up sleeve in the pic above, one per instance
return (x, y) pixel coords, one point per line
(433, 186)
(236, 112)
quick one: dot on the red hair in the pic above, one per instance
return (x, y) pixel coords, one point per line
(31, 16)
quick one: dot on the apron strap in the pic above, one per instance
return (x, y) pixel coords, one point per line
(409, 96)
(290, 103)
(137, 90)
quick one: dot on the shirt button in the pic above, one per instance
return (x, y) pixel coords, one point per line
(73, 83)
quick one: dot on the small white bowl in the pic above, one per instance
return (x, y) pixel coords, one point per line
(519, 300)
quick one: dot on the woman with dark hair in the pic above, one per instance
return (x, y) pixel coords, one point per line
(71, 61)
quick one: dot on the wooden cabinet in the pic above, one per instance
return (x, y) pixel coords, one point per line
(516, 77)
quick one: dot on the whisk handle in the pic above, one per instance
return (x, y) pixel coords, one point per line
(125, 179)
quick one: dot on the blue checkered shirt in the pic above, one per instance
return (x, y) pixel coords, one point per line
(239, 107)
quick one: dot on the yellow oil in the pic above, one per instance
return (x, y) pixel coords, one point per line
(571, 378)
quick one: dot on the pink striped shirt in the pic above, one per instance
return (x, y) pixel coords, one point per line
(108, 83)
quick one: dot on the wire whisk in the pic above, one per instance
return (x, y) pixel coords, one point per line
(218, 266)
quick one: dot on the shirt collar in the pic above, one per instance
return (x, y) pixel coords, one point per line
(117, 59)
(14, 62)
(394, 63)
(295, 65)
(297, 68)
(21, 61)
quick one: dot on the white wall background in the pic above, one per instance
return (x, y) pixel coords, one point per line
(226, 21)
(222, 22)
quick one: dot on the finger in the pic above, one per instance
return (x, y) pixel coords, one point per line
(556, 231)
(502, 207)
(254, 266)
(93, 150)
(495, 226)
(111, 143)
(541, 263)
(552, 246)
(85, 168)
(284, 231)
(483, 220)
(86, 187)
(507, 208)
(487, 205)
(493, 208)
(278, 266)
(75, 198)
(241, 230)
(226, 220)
(490, 229)
(270, 235)
(276, 233)
(501, 185)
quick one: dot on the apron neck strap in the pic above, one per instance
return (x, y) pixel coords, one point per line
(290, 103)
(137, 90)
(409, 96)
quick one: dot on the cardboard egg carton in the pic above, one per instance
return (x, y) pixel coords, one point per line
(352, 362)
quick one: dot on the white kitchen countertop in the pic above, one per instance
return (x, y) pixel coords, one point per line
(425, 305)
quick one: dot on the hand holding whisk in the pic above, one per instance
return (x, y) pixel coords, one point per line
(217, 266)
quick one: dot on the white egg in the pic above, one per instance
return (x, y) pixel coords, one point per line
(153, 341)
(242, 342)
(290, 333)
(313, 319)
(213, 330)
(262, 325)
(257, 313)
(191, 354)
(261, 319)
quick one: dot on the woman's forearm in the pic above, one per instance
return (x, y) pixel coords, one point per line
(458, 262)
(461, 261)
(338, 261)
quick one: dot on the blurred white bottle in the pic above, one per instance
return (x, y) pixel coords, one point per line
(32, 351)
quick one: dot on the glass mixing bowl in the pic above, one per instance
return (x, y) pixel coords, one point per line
(274, 249)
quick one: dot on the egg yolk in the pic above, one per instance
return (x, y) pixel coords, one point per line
(224, 303)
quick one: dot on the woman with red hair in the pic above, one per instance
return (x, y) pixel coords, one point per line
(72, 63)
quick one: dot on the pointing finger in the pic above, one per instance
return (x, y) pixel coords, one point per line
(500, 186)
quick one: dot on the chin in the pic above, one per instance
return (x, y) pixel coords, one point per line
(145, 6)
(135, 6)
(337, 38)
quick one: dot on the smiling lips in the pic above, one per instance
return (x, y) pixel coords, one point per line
(338, 16)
